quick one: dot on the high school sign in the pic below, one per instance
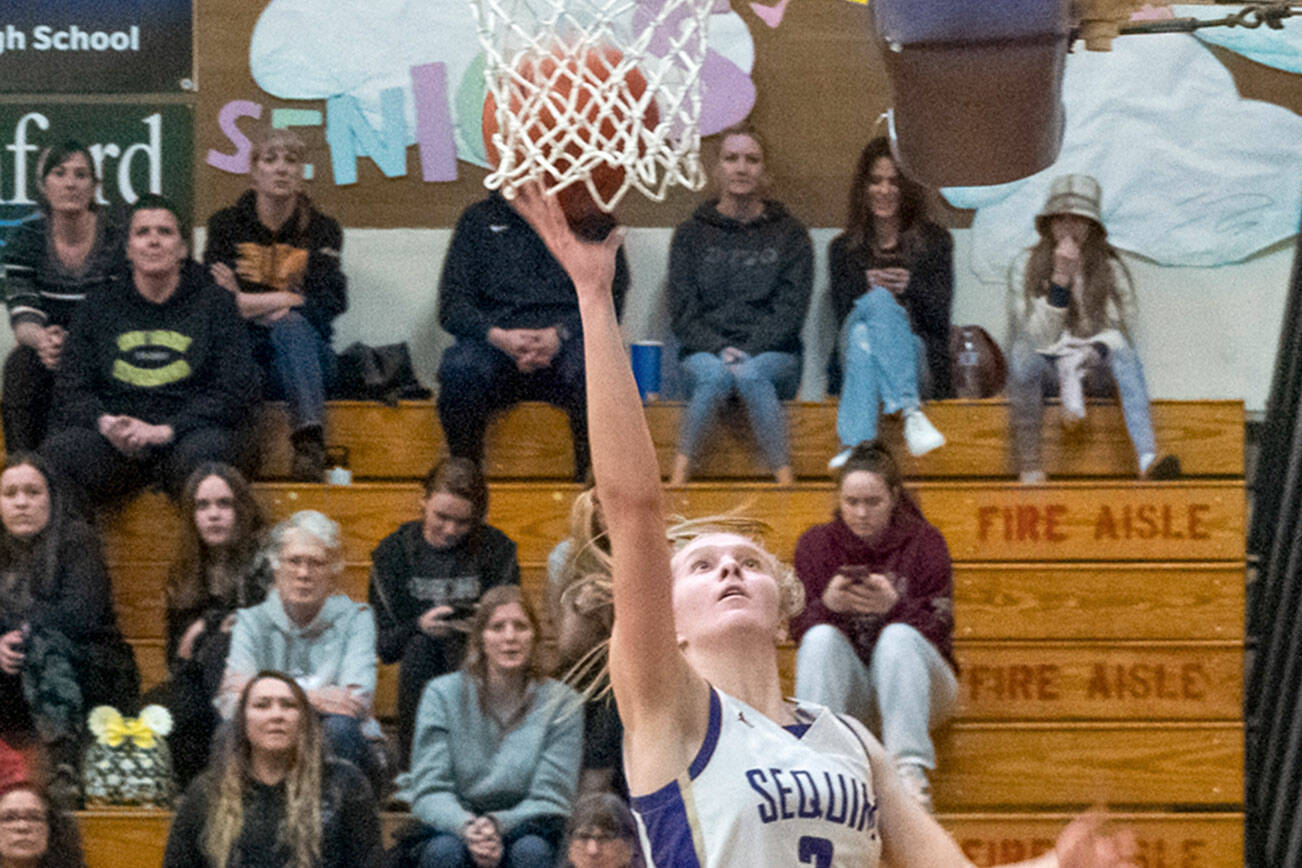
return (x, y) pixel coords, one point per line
(96, 46)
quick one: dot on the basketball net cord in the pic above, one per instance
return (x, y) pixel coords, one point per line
(566, 104)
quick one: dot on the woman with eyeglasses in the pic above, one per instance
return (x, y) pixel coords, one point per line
(601, 833)
(32, 833)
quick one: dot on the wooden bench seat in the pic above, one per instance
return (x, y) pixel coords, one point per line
(532, 441)
(1014, 681)
(135, 839)
(1196, 601)
(1193, 520)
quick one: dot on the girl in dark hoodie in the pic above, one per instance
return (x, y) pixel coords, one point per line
(740, 272)
(877, 632)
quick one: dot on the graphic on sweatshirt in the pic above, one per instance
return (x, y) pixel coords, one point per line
(279, 266)
(149, 359)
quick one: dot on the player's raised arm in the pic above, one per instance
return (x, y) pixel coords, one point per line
(649, 674)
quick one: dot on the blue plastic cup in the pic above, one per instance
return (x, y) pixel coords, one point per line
(646, 368)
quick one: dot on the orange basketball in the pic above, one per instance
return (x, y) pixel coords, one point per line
(566, 146)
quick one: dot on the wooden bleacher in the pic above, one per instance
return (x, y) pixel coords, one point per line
(1099, 619)
(532, 441)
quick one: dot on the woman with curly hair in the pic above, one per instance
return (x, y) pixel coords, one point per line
(219, 568)
(33, 832)
(694, 662)
(1070, 306)
(272, 796)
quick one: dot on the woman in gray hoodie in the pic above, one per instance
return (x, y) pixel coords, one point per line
(323, 640)
(740, 273)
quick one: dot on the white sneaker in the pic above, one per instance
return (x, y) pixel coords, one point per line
(839, 459)
(914, 778)
(920, 435)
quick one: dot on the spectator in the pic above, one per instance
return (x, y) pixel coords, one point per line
(33, 832)
(601, 833)
(892, 275)
(877, 633)
(581, 609)
(321, 639)
(272, 797)
(156, 376)
(1070, 300)
(740, 272)
(49, 265)
(61, 653)
(497, 747)
(426, 578)
(221, 567)
(513, 312)
(279, 258)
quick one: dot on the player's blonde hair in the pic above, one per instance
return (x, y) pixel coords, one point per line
(593, 668)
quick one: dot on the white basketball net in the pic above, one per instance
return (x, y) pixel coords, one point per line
(548, 59)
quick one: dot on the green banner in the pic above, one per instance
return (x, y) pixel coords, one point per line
(137, 148)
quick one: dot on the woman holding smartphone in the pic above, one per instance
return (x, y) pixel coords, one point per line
(877, 633)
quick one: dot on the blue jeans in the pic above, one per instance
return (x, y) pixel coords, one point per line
(476, 379)
(299, 363)
(523, 848)
(1032, 376)
(762, 382)
(343, 736)
(882, 357)
(906, 691)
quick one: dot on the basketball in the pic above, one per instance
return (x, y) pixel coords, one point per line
(569, 125)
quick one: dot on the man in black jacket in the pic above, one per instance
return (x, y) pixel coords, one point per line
(515, 316)
(156, 376)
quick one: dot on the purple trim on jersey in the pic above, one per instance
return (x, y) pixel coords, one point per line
(663, 813)
(711, 737)
(798, 729)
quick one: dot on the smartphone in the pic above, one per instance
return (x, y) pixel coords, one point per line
(855, 572)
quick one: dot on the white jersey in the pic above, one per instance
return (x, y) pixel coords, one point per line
(760, 796)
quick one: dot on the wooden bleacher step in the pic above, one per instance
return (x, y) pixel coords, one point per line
(1192, 520)
(532, 441)
(1009, 601)
(135, 839)
(1099, 623)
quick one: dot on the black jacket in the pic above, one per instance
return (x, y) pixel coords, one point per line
(185, 362)
(484, 558)
(499, 273)
(350, 823)
(305, 247)
(743, 285)
(928, 298)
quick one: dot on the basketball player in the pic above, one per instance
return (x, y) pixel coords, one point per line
(725, 771)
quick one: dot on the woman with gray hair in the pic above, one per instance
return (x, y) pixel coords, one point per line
(279, 258)
(322, 639)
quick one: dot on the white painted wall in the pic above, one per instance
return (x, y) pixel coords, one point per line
(1203, 333)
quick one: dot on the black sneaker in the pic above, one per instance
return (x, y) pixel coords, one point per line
(309, 460)
(1166, 467)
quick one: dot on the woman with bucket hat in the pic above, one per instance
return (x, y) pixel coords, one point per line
(1070, 302)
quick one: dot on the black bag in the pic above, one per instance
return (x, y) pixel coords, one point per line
(378, 374)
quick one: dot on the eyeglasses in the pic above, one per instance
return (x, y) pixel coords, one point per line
(601, 836)
(13, 818)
